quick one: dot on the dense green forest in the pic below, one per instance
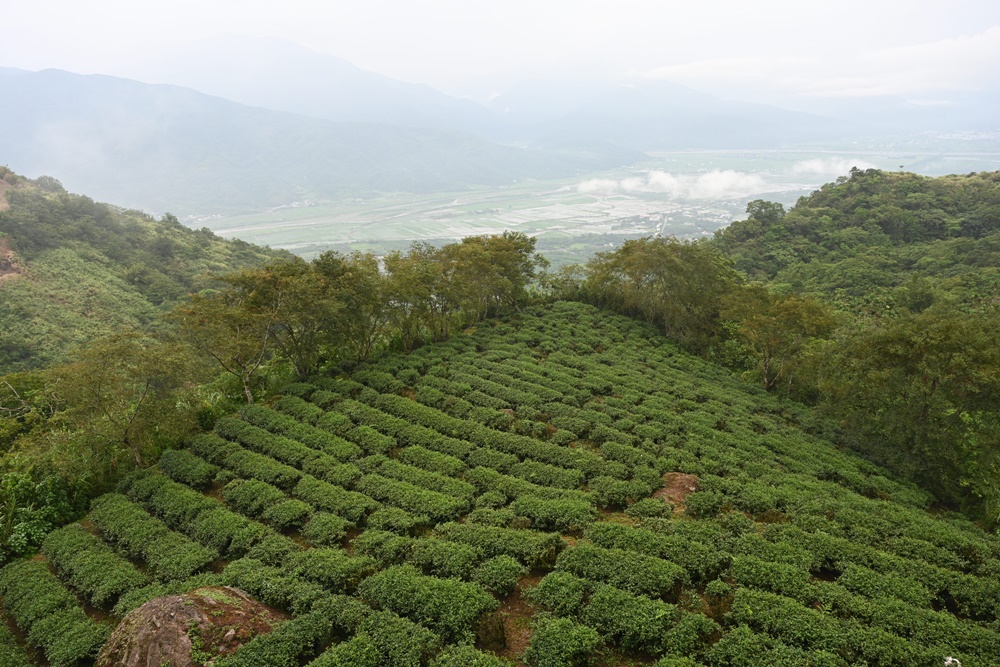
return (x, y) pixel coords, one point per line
(452, 446)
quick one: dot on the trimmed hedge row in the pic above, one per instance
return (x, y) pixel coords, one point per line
(383, 638)
(182, 466)
(170, 555)
(11, 653)
(333, 569)
(487, 479)
(417, 476)
(630, 571)
(48, 613)
(308, 435)
(530, 547)
(203, 519)
(90, 566)
(559, 515)
(446, 606)
(434, 461)
(244, 463)
(278, 447)
(406, 496)
(337, 500)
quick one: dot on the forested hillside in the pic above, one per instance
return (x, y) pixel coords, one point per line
(505, 490)
(72, 270)
(878, 240)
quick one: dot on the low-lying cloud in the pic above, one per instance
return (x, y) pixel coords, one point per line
(717, 184)
(830, 165)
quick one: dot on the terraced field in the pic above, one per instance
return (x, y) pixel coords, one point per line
(560, 488)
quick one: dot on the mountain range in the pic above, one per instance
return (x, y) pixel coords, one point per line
(238, 125)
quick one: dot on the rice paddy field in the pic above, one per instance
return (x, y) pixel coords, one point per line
(564, 487)
(688, 194)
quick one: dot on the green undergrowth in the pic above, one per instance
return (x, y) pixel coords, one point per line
(417, 511)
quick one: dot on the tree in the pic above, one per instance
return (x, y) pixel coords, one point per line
(919, 393)
(775, 327)
(117, 406)
(361, 291)
(677, 285)
(228, 327)
(300, 304)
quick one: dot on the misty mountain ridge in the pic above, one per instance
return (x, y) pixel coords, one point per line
(242, 124)
(161, 147)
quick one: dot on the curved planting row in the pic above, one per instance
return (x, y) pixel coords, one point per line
(510, 481)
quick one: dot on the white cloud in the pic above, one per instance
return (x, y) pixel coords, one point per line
(713, 185)
(828, 166)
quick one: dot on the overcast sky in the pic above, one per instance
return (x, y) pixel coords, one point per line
(921, 48)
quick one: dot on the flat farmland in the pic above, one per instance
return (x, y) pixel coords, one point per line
(688, 194)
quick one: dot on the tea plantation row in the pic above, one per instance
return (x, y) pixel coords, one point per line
(397, 512)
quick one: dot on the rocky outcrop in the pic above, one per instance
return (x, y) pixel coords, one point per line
(187, 630)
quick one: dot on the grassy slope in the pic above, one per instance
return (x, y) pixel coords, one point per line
(791, 552)
(88, 269)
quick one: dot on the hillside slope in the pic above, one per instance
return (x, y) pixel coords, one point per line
(563, 486)
(72, 269)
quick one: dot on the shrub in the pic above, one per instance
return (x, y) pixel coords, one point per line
(184, 467)
(437, 506)
(777, 578)
(635, 623)
(630, 571)
(331, 470)
(532, 548)
(441, 558)
(274, 549)
(370, 440)
(287, 515)
(49, 615)
(272, 586)
(333, 569)
(330, 498)
(170, 555)
(140, 596)
(416, 476)
(611, 492)
(449, 607)
(226, 532)
(490, 458)
(252, 497)
(434, 461)
(649, 507)
(560, 592)
(559, 515)
(499, 575)
(258, 440)
(385, 547)
(560, 642)
(90, 565)
(326, 530)
(547, 475)
(466, 656)
(396, 520)
(284, 646)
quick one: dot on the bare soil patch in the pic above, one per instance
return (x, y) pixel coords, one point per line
(517, 614)
(10, 266)
(676, 487)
